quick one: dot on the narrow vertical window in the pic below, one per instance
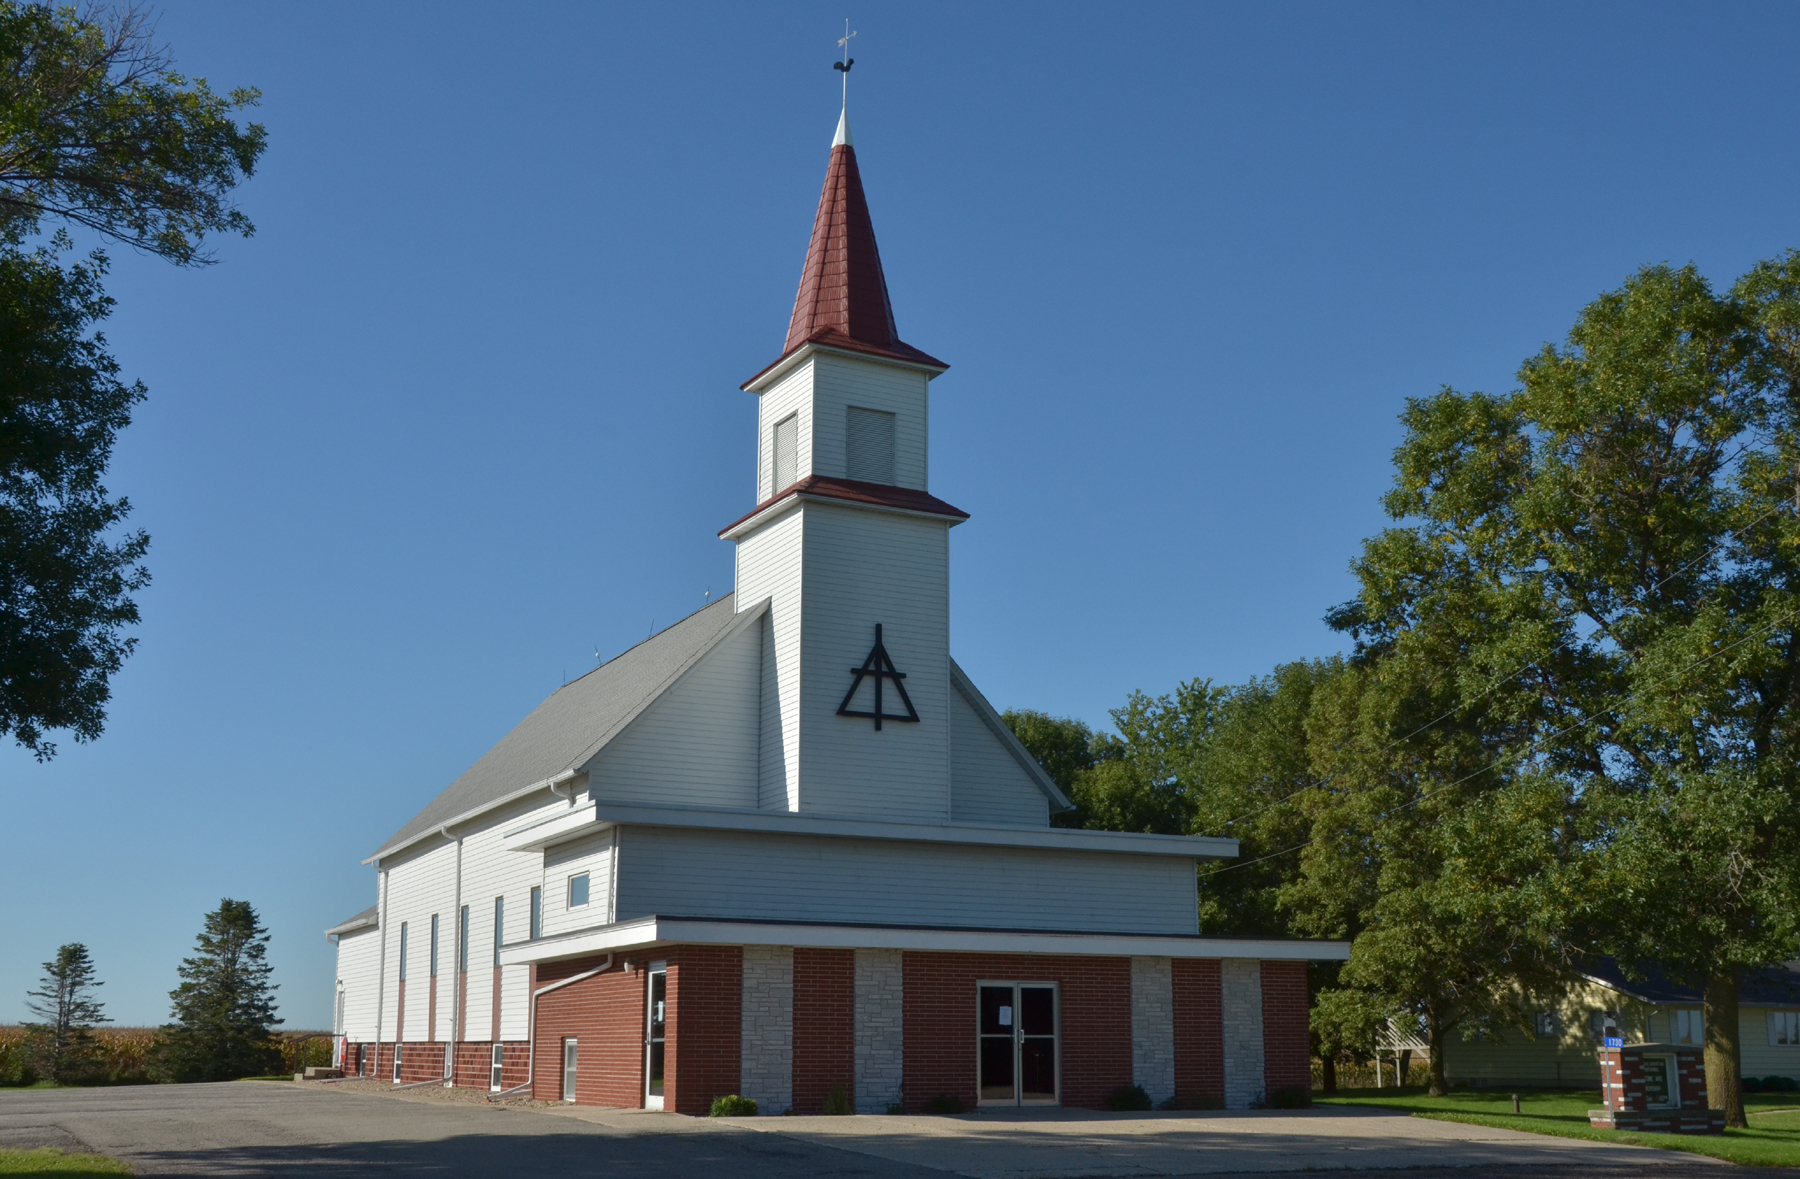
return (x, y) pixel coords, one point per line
(434, 945)
(462, 941)
(537, 913)
(787, 452)
(494, 1069)
(397, 1064)
(403, 951)
(869, 446)
(578, 891)
(499, 927)
(568, 1070)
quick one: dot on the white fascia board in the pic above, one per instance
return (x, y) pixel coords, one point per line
(603, 814)
(791, 503)
(355, 925)
(442, 830)
(648, 932)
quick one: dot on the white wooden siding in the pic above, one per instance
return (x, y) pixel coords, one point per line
(769, 564)
(987, 784)
(839, 382)
(863, 568)
(791, 394)
(419, 884)
(592, 855)
(687, 873)
(1761, 1058)
(358, 962)
(697, 744)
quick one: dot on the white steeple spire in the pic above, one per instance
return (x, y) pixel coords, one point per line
(842, 138)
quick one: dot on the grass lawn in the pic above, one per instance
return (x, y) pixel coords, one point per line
(49, 1161)
(1773, 1139)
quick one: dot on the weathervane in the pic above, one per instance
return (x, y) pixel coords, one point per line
(844, 66)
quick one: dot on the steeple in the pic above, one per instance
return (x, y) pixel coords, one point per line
(843, 300)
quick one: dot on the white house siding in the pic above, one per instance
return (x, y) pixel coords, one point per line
(840, 382)
(879, 1029)
(1240, 1000)
(987, 784)
(684, 872)
(1153, 1027)
(790, 395)
(769, 567)
(1761, 1058)
(419, 884)
(358, 961)
(592, 855)
(697, 744)
(864, 568)
(767, 1035)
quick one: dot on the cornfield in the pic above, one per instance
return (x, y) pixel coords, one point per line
(122, 1055)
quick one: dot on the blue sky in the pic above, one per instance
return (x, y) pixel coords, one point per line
(465, 410)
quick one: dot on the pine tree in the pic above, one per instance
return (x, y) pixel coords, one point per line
(224, 1009)
(64, 1041)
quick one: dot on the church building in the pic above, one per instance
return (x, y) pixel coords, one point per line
(786, 849)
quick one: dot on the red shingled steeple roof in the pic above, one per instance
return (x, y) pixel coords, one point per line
(843, 300)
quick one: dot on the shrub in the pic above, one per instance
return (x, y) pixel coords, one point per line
(1750, 1084)
(837, 1102)
(1779, 1085)
(897, 1108)
(1128, 1097)
(733, 1106)
(1194, 1101)
(945, 1103)
(1291, 1097)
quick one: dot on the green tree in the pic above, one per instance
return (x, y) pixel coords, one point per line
(224, 1009)
(98, 132)
(1594, 577)
(64, 1003)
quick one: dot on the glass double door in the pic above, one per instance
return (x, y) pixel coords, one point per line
(1017, 1041)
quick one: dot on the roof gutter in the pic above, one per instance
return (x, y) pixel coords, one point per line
(551, 783)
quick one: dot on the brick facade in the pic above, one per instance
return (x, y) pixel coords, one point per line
(1287, 1042)
(605, 1015)
(704, 1029)
(824, 1026)
(1095, 997)
(1199, 1032)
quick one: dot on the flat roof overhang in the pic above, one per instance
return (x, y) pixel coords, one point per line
(646, 933)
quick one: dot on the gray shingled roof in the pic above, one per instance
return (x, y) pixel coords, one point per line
(362, 920)
(566, 730)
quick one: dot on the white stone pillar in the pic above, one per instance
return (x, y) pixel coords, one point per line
(767, 1069)
(1240, 998)
(1153, 1027)
(880, 1043)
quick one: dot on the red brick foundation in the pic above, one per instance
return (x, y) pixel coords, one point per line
(605, 1015)
(1287, 1043)
(1199, 1033)
(824, 1026)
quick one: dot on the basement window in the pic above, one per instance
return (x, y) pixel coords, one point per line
(578, 891)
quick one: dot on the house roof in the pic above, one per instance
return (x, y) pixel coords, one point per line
(1772, 986)
(843, 300)
(367, 919)
(876, 495)
(567, 729)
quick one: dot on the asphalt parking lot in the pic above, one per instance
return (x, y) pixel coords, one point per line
(273, 1128)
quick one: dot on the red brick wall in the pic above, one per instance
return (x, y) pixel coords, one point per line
(824, 1026)
(1199, 1031)
(1287, 1049)
(400, 1014)
(704, 1026)
(419, 1061)
(1095, 995)
(605, 1014)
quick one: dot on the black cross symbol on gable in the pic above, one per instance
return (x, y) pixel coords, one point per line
(878, 667)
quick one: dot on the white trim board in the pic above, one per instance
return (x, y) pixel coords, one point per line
(592, 817)
(647, 932)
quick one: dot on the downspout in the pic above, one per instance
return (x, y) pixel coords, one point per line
(456, 979)
(381, 970)
(531, 1025)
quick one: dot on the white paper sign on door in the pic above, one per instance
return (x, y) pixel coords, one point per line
(1006, 1017)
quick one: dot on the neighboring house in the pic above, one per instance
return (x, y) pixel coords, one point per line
(1560, 1050)
(786, 846)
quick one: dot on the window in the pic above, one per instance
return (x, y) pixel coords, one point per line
(1686, 1026)
(1784, 1027)
(494, 1069)
(568, 1070)
(537, 913)
(1602, 1024)
(499, 928)
(869, 446)
(578, 891)
(1547, 1025)
(434, 945)
(462, 941)
(787, 452)
(403, 951)
(397, 1064)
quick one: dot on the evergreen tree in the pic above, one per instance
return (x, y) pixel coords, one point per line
(224, 1009)
(65, 1003)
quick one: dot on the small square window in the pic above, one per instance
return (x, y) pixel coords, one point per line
(578, 891)
(1547, 1026)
